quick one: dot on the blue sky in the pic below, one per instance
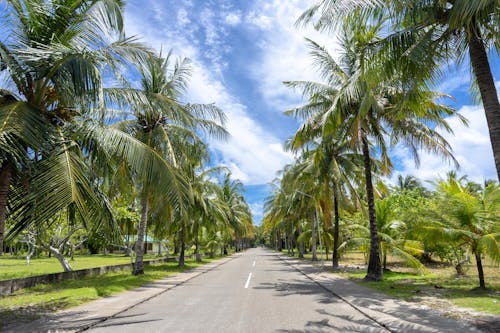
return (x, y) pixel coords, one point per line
(243, 50)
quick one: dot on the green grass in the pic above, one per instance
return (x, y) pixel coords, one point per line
(441, 282)
(30, 303)
(460, 291)
(16, 267)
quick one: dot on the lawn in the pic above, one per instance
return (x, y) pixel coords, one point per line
(15, 267)
(439, 283)
(28, 304)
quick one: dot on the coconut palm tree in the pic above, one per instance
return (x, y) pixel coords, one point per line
(359, 102)
(432, 32)
(162, 122)
(336, 167)
(467, 219)
(52, 56)
(408, 183)
(238, 212)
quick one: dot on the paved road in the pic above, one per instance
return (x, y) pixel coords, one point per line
(256, 292)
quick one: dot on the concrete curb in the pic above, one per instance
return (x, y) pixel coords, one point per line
(287, 261)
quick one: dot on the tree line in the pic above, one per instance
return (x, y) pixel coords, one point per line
(98, 141)
(376, 93)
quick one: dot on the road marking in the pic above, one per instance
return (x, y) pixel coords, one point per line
(248, 280)
(253, 265)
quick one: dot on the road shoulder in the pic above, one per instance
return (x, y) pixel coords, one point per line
(395, 315)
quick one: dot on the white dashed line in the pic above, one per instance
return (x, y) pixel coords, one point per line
(248, 280)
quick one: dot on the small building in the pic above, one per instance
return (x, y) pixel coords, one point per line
(151, 245)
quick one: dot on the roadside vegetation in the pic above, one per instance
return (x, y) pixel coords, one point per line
(12, 267)
(439, 287)
(31, 303)
(374, 94)
(91, 167)
(100, 149)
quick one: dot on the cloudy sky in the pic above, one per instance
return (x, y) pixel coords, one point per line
(243, 50)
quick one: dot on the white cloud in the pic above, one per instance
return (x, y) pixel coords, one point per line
(257, 209)
(182, 17)
(252, 154)
(233, 18)
(284, 52)
(261, 22)
(471, 147)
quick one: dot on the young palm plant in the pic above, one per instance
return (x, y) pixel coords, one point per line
(469, 220)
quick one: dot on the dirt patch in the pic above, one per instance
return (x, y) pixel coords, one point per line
(485, 322)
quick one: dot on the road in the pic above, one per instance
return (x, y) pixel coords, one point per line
(256, 292)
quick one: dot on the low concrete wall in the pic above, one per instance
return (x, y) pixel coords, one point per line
(7, 287)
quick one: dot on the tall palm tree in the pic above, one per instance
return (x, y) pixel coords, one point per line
(52, 58)
(162, 122)
(432, 32)
(238, 212)
(336, 166)
(359, 102)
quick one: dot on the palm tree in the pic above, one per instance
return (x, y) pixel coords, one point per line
(432, 32)
(359, 102)
(392, 233)
(408, 183)
(238, 212)
(52, 59)
(465, 218)
(336, 166)
(167, 126)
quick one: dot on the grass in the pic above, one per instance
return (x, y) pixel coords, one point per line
(30, 303)
(439, 283)
(461, 291)
(16, 267)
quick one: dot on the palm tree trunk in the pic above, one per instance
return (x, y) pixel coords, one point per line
(484, 78)
(301, 243)
(139, 246)
(480, 271)
(183, 246)
(5, 175)
(313, 239)
(335, 255)
(374, 272)
(196, 243)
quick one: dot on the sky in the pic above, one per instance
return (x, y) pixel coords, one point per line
(242, 51)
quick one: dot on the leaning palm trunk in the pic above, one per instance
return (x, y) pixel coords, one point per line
(484, 78)
(335, 254)
(5, 174)
(139, 245)
(374, 272)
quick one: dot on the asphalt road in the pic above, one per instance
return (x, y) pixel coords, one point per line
(256, 292)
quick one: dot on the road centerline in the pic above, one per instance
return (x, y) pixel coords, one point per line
(248, 280)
